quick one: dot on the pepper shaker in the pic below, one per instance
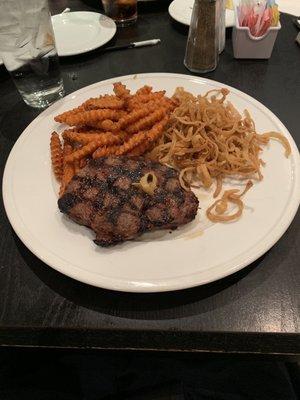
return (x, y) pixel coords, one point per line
(202, 50)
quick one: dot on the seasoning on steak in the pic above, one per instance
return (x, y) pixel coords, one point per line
(101, 196)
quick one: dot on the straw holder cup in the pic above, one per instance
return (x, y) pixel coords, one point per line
(247, 46)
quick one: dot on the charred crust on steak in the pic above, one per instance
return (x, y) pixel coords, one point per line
(101, 196)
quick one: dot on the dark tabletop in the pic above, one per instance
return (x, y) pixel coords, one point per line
(254, 311)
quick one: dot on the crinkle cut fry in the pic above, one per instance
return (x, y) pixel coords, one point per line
(147, 121)
(124, 121)
(156, 131)
(106, 138)
(83, 151)
(140, 149)
(144, 90)
(136, 145)
(88, 117)
(133, 116)
(119, 150)
(61, 117)
(163, 102)
(151, 137)
(108, 125)
(68, 169)
(121, 91)
(138, 100)
(131, 143)
(148, 136)
(56, 155)
(76, 167)
(106, 101)
(70, 134)
(105, 151)
(82, 162)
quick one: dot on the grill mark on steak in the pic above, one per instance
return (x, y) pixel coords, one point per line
(101, 196)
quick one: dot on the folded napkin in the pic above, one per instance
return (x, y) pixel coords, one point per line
(25, 31)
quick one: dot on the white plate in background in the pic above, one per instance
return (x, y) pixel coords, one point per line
(81, 31)
(171, 261)
(181, 11)
(289, 6)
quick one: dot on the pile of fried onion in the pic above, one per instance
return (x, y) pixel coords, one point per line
(208, 140)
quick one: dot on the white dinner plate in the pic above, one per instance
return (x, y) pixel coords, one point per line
(181, 11)
(289, 6)
(81, 31)
(161, 261)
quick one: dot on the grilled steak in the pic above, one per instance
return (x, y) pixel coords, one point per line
(101, 196)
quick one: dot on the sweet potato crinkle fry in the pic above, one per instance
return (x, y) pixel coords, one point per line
(134, 141)
(145, 98)
(105, 101)
(61, 117)
(147, 121)
(107, 138)
(56, 155)
(88, 117)
(121, 91)
(149, 139)
(132, 117)
(105, 151)
(82, 162)
(108, 125)
(68, 169)
(147, 136)
(144, 90)
(82, 152)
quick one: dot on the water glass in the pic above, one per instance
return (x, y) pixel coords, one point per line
(123, 12)
(29, 53)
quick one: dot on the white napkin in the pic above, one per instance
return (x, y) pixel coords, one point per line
(25, 31)
(289, 6)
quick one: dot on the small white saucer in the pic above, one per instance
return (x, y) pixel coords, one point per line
(81, 31)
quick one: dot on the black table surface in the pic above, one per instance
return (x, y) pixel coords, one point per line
(253, 311)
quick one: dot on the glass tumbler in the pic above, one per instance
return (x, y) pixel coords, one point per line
(123, 12)
(27, 47)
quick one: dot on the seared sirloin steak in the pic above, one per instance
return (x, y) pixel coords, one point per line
(102, 196)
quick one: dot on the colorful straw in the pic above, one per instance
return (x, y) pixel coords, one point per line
(258, 16)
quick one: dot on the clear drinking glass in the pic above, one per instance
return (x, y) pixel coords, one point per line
(27, 46)
(123, 12)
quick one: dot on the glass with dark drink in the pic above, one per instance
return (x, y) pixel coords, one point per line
(123, 12)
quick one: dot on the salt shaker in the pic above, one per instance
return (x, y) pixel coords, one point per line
(202, 50)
